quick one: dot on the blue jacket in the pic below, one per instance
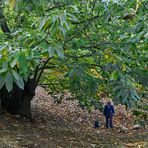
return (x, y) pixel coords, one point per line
(108, 110)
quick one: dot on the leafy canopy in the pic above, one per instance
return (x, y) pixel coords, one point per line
(93, 45)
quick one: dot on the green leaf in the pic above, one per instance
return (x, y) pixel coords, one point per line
(140, 35)
(66, 25)
(54, 27)
(62, 19)
(119, 94)
(125, 97)
(2, 47)
(18, 79)
(63, 30)
(139, 27)
(12, 3)
(134, 96)
(130, 103)
(65, 14)
(13, 63)
(51, 51)
(5, 67)
(73, 17)
(9, 81)
(123, 37)
(75, 8)
(115, 75)
(43, 22)
(23, 64)
(60, 53)
(2, 81)
(54, 19)
(3, 70)
(108, 67)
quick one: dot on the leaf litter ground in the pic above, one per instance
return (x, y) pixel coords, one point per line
(68, 126)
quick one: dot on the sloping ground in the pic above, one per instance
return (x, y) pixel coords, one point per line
(66, 126)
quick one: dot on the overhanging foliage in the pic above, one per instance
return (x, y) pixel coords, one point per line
(91, 45)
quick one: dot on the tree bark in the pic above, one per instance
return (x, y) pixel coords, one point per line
(18, 101)
(27, 96)
(11, 101)
(25, 109)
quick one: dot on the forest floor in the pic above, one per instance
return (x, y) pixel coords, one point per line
(68, 126)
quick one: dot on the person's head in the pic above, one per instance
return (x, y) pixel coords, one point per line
(109, 102)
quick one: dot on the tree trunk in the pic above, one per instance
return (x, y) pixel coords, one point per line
(11, 101)
(25, 109)
(18, 101)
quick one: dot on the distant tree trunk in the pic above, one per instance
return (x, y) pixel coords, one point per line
(18, 101)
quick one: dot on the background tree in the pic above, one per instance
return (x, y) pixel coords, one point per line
(86, 47)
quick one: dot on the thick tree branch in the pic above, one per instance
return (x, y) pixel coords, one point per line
(42, 69)
(47, 67)
(36, 73)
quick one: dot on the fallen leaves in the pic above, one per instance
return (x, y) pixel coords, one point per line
(135, 145)
(72, 114)
(67, 125)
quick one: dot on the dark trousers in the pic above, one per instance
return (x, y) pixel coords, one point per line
(109, 122)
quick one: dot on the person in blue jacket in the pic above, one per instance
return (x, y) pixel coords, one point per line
(108, 113)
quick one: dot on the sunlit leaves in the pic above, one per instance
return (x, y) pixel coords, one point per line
(58, 22)
(12, 3)
(13, 63)
(95, 41)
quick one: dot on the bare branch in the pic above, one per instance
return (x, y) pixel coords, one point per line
(42, 69)
(47, 67)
